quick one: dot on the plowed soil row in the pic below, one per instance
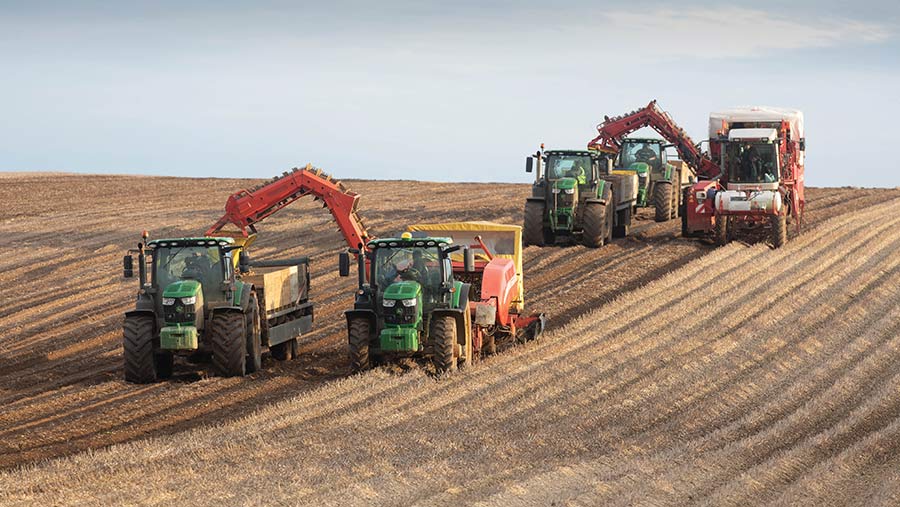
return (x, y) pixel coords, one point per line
(61, 384)
(747, 376)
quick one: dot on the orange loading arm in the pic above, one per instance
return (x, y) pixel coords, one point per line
(613, 130)
(247, 207)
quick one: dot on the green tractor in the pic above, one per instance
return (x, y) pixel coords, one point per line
(577, 196)
(198, 299)
(660, 181)
(413, 306)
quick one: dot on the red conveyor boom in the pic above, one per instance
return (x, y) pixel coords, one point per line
(247, 207)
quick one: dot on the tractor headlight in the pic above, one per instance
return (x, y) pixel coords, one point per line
(389, 303)
(409, 302)
(555, 190)
(570, 190)
(189, 301)
(168, 301)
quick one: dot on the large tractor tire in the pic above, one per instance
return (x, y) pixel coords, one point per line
(623, 223)
(228, 340)
(443, 336)
(779, 230)
(533, 233)
(358, 333)
(595, 221)
(254, 335)
(662, 201)
(138, 334)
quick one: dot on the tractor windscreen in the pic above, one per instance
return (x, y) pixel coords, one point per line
(417, 264)
(649, 153)
(751, 162)
(201, 263)
(568, 166)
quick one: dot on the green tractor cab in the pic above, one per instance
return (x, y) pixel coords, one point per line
(576, 196)
(408, 304)
(197, 299)
(660, 182)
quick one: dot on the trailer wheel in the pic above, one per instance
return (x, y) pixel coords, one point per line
(228, 341)
(443, 336)
(533, 233)
(358, 333)
(662, 201)
(254, 340)
(721, 230)
(165, 364)
(595, 224)
(284, 351)
(779, 230)
(140, 364)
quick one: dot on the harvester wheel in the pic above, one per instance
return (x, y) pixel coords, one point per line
(443, 336)
(488, 345)
(662, 201)
(779, 230)
(533, 233)
(137, 332)
(596, 220)
(358, 332)
(254, 340)
(721, 230)
(228, 340)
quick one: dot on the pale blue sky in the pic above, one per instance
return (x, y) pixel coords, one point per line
(427, 90)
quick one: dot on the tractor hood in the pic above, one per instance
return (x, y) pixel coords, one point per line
(402, 290)
(182, 289)
(639, 167)
(565, 183)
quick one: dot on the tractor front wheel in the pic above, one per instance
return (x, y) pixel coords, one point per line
(596, 220)
(140, 363)
(533, 233)
(779, 230)
(358, 331)
(662, 201)
(443, 337)
(228, 340)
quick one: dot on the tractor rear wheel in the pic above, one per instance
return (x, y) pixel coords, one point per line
(533, 233)
(779, 230)
(228, 341)
(596, 220)
(443, 336)
(140, 364)
(662, 201)
(358, 332)
(254, 338)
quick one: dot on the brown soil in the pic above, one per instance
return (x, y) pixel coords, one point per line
(63, 237)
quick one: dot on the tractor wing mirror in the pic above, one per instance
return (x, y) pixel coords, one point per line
(468, 260)
(128, 265)
(344, 264)
(529, 164)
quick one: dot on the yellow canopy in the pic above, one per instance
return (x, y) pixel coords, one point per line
(501, 239)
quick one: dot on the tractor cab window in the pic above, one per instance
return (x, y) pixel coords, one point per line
(569, 166)
(200, 263)
(418, 264)
(648, 153)
(751, 163)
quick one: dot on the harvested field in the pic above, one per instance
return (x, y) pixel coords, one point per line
(748, 375)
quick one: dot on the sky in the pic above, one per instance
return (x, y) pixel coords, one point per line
(445, 91)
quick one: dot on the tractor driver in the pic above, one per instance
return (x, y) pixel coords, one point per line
(197, 266)
(577, 172)
(646, 154)
(750, 163)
